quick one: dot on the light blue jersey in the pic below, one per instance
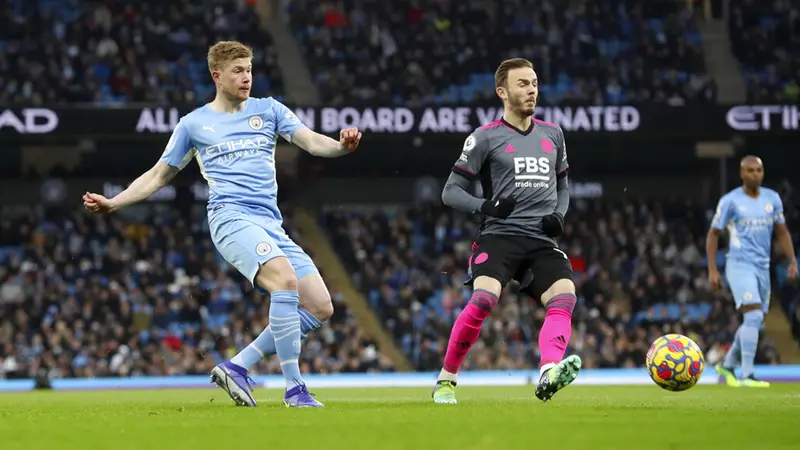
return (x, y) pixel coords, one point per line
(236, 155)
(749, 222)
(236, 152)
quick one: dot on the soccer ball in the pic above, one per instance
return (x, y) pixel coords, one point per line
(675, 362)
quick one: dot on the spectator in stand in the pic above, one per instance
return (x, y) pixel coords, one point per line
(140, 295)
(424, 52)
(765, 37)
(56, 52)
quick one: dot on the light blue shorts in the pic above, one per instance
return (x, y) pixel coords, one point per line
(749, 284)
(247, 241)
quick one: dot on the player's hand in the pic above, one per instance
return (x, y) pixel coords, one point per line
(714, 279)
(349, 139)
(553, 225)
(791, 271)
(502, 207)
(96, 203)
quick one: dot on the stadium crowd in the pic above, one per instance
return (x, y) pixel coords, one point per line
(79, 51)
(765, 37)
(640, 273)
(790, 292)
(422, 52)
(88, 296)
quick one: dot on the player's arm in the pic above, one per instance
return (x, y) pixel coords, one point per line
(291, 129)
(785, 239)
(456, 196)
(175, 157)
(325, 147)
(721, 218)
(553, 225)
(562, 170)
(474, 155)
(143, 187)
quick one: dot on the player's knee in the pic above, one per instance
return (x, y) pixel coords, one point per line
(320, 307)
(489, 284)
(314, 297)
(560, 287)
(277, 275)
(754, 318)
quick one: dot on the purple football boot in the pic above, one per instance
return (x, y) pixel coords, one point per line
(299, 397)
(234, 380)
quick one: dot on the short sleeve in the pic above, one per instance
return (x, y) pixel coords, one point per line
(178, 151)
(777, 213)
(286, 121)
(562, 165)
(723, 214)
(474, 154)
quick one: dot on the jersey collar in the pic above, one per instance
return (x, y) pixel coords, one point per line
(524, 133)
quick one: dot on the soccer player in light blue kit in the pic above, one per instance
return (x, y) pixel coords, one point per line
(233, 140)
(749, 213)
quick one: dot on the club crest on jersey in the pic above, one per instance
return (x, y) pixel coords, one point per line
(256, 122)
(547, 145)
(768, 208)
(469, 144)
(263, 249)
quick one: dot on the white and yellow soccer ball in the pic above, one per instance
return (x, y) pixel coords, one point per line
(675, 362)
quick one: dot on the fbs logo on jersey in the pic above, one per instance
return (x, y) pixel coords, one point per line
(532, 172)
(263, 249)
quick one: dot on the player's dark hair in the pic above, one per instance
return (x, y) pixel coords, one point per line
(501, 75)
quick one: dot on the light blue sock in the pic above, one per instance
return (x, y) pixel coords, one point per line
(264, 344)
(308, 322)
(749, 337)
(254, 352)
(284, 321)
(731, 360)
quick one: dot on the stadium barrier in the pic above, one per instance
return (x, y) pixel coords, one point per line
(445, 119)
(591, 377)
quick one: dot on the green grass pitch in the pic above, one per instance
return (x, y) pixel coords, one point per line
(580, 417)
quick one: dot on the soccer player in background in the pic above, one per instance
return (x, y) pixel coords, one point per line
(749, 213)
(522, 165)
(233, 139)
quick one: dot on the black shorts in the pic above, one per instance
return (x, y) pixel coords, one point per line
(534, 263)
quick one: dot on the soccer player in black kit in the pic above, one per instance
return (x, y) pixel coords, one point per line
(521, 163)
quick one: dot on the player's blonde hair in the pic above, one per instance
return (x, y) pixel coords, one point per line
(223, 52)
(501, 75)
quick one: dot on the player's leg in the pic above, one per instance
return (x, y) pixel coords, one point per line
(491, 268)
(315, 301)
(252, 251)
(315, 307)
(278, 277)
(743, 282)
(755, 316)
(731, 361)
(553, 284)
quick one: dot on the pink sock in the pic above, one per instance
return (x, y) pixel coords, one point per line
(467, 328)
(557, 329)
